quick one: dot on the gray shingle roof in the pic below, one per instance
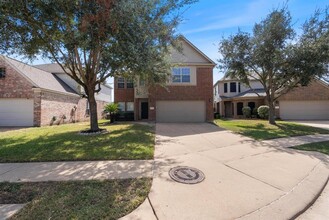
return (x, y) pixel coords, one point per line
(39, 78)
(252, 93)
(50, 67)
(55, 68)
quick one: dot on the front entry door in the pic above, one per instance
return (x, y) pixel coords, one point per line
(145, 110)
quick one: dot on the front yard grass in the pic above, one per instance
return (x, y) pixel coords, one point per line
(63, 143)
(94, 199)
(262, 130)
(322, 147)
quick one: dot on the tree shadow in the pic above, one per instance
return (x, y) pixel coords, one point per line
(130, 142)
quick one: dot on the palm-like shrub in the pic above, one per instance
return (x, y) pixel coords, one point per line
(111, 109)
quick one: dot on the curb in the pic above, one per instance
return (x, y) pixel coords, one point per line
(305, 193)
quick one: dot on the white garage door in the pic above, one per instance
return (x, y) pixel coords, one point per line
(180, 111)
(304, 110)
(16, 112)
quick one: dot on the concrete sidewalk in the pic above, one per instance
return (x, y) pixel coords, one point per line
(245, 179)
(295, 141)
(81, 170)
(8, 210)
(64, 171)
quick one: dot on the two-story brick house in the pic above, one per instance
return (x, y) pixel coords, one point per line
(230, 96)
(187, 97)
(301, 103)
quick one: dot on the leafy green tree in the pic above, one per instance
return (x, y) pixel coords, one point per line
(276, 56)
(94, 39)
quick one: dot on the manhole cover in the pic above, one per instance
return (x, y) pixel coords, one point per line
(187, 175)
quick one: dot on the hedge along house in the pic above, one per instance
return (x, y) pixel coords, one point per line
(30, 96)
(187, 97)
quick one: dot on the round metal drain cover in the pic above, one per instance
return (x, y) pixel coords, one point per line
(187, 175)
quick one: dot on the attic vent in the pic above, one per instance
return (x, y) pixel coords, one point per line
(2, 72)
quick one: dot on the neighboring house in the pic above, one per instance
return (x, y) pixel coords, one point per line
(30, 96)
(302, 103)
(230, 96)
(306, 102)
(187, 97)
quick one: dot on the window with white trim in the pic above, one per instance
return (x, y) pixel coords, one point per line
(181, 75)
(121, 106)
(130, 83)
(130, 106)
(121, 83)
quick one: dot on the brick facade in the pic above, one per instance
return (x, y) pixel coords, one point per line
(202, 91)
(47, 104)
(59, 105)
(314, 91)
(14, 85)
(123, 94)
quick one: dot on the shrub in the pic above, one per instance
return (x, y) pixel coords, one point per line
(111, 109)
(217, 116)
(255, 113)
(246, 111)
(263, 111)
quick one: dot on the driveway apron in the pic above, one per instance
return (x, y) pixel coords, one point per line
(244, 178)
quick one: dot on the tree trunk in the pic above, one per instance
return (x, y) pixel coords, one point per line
(271, 116)
(93, 112)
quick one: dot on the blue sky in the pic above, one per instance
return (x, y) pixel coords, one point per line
(207, 21)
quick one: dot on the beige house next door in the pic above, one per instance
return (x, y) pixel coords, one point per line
(304, 110)
(180, 111)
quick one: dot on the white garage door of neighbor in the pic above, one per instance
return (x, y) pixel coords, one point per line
(16, 112)
(180, 111)
(304, 110)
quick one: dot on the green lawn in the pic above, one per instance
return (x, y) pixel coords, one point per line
(63, 143)
(262, 130)
(107, 199)
(322, 147)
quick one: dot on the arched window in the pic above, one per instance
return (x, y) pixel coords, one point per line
(239, 107)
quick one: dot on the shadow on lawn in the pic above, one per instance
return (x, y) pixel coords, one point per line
(259, 131)
(131, 142)
(110, 199)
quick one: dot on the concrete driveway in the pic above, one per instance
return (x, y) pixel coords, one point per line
(244, 178)
(317, 124)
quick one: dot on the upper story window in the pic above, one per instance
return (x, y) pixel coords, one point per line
(121, 83)
(181, 75)
(141, 82)
(233, 87)
(215, 90)
(239, 87)
(130, 83)
(2, 72)
(225, 87)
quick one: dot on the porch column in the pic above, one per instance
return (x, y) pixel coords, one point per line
(222, 108)
(235, 110)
